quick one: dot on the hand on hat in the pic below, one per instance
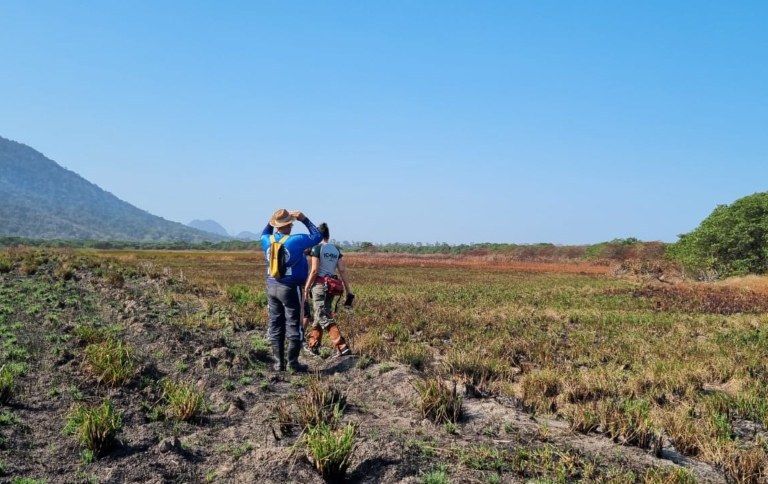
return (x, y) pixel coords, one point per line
(298, 215)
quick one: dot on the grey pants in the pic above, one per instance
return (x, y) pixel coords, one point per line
(284, 304)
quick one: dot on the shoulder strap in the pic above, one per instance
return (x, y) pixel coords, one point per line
(279, 242)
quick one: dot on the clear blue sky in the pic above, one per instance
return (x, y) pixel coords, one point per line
(400, 121)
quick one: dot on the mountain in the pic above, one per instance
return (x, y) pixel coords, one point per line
(208, 226)
(248, 236)
(39, 199)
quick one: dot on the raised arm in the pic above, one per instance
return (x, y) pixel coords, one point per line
(314, 234)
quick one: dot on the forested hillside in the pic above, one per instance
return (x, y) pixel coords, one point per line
(40, 199)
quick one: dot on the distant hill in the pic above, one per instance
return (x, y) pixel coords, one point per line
(247, 236)
(41, 200)
(209, 226)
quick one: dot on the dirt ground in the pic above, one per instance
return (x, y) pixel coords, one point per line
(239, 437)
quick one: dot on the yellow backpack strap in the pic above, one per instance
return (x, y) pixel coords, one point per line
(281, 241)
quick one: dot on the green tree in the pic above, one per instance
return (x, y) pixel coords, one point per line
(733, 240)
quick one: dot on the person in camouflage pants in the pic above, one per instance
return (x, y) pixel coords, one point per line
(325, 260)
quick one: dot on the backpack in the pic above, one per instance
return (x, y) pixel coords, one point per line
(277, 256)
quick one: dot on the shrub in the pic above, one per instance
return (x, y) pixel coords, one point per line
(94, 427)
(733, 240)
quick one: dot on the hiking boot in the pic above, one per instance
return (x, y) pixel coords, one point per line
(312, 351)
(294, 347)
(278, 356)
(343, 352)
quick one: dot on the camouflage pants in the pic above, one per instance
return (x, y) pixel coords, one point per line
(323, 320)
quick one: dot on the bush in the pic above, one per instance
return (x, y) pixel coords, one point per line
(732, 241)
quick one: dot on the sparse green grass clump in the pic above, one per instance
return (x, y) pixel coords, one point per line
(94, 427)
(322, 403)
(27, 480)
(415, 356)
(262, 349)
(438, 402)
(6, 264)
(8, 384)
(8, 419)
(111, 361)
(330, 449)
(436, 476)
(182, 399)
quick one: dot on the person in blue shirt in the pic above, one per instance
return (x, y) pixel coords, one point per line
(284, 295)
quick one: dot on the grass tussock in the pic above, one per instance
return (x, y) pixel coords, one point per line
(476, 371)
(8, 383)
(330, 449)
(322, 403)
(94, 428)
(285, 417)
(413, 355)
(183, 401)
(112, 362)
(438, 401)
(540, 390)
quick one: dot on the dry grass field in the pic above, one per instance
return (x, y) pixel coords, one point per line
(466, 369)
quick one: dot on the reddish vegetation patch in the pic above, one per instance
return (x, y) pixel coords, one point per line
(492, 262)
(702, 299)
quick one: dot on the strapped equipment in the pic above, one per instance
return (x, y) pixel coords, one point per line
(277, 257)
(333, 286)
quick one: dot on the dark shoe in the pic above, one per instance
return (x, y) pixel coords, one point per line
(278, 356)
(294, 347)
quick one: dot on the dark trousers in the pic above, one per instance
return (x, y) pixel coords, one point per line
(284, 303)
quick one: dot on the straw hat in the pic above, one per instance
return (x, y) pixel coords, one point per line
(281, 218)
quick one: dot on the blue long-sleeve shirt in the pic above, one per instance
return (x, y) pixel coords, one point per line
(297, 268)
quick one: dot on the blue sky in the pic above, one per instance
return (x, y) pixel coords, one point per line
(400, 121)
